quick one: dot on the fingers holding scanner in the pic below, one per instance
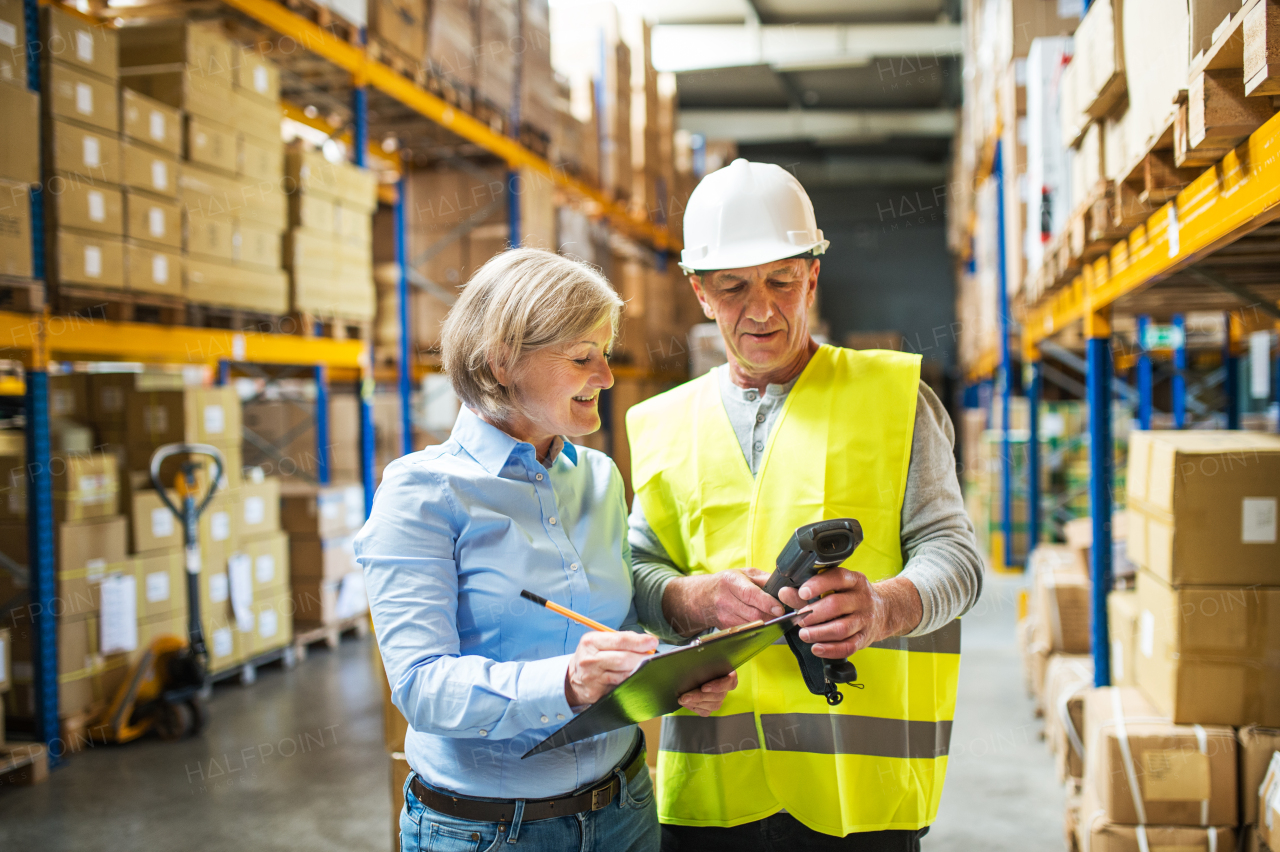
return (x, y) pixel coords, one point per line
(843, 607)
(602, 661)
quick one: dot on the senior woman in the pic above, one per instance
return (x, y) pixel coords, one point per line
(458, 529)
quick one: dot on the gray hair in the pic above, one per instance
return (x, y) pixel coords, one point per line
(520, 301)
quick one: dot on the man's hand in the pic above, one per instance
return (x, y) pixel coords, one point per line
(855, 611)
(602, 661)
(707, 699)
(719, 600)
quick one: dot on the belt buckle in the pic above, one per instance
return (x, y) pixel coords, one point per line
(601, 797)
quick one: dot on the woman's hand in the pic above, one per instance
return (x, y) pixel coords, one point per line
(602, 661)
(707, 699)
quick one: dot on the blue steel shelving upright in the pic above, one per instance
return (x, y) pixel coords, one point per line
(365, 390)
(1005, 372)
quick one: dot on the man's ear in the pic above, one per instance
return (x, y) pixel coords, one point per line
(696, 281)
(815, 266)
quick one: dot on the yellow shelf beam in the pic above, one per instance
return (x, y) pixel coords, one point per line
(1238, 195)
(985, 366)
(75, 338)
(369, 72)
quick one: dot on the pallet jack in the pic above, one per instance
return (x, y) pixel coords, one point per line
(166, 689)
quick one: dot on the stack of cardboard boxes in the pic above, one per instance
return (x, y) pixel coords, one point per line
(230, 189)
(329, 246)
(20, 147)
(328, 585)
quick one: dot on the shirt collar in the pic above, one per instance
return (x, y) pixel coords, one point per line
(492, 447)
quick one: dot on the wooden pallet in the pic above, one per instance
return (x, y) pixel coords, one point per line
(497, 119)
(239, 319)
(23, 764)
(310, 324)
(326, 19)
(404, 65)
(21, 295)
(329, 634)
(247, 672)
(452, 92)
(536, 140)
(119, 305)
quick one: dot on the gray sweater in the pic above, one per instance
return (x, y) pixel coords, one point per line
(939, 551)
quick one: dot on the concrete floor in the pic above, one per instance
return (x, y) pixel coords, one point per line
(295, 762)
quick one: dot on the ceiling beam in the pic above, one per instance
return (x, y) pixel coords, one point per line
(824, 127)
(799, 47)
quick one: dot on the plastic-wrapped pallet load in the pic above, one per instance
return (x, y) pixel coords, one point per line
(1067, 679)
(1048, 184)
(1061, 592)
(1150, 783)
(326, 582)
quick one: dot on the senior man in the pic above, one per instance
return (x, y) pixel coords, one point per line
(725, 468)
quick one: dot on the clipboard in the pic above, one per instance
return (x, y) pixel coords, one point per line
(655, 687)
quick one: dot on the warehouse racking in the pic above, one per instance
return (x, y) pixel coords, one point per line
(335, 67)
(1201, 246)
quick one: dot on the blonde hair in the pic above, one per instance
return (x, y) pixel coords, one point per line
(520, 301)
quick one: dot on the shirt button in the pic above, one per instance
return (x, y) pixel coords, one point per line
(539, 477)
(759, 418)
(545, 719)
(573, 567)
(483, 732)
(751, 395)
(553, 522)
(759, 445)
(559, 715)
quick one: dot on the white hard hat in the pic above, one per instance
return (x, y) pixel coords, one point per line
(747, 214)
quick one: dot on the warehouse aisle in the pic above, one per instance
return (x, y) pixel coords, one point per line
(1001, 794)
(295, 762)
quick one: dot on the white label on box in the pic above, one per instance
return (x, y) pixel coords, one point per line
(97, 206)
(215, 419)
(353, 500)
(268, 623)
(95, 569)
(218, 587)
(112, 399)
(1147, 634)
(9, 38)
(157, 586)
(84, 46)
(1174, 245)
(330, 509)
(155, 222)
(1260, 364)
(161, 522)
(220, 526)
(157, 125)
(260, 80)
(352, 599)
(92, 262)
(92, 154)
(62, 402)
(1117, 660)
(155, 418)
(118, 618)
(84, 99)
(264, 569)
(240, 571)
(222, 642)
(159, 175)
(159, 269)
(255, 510)
(1259, 516)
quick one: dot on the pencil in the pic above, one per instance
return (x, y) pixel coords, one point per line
(566, 612)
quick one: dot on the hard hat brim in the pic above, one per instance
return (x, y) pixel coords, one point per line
(740, 257)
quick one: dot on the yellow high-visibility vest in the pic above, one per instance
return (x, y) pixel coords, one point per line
(841, 448)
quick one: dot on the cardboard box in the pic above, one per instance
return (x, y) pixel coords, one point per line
(94, 260)
(315, 601)
(79, 96)
(1203, 507)
(162, 583)
(20, 147)
(15, 230)
(237, 285)
(1177, 767)
(400, 771)
(69, 396)
(84, 486)
(1061, 601)
(153, 220)
(151, 170)
(192, 415)
(260, 507)
(210, 144)
(76, 41)
(330, 559)
(201, 48)
(6, 665)
(270, 555)
(210, 237)
(209, 193)
(219, 527)
(1257, 744)
(13, 51)
(259, 160)
(328, 511)
(91, 544)
(257, 246)
(273, 622)
(86, 206)
(255, 118)
(1067, 678)
(1108, 837)
(79, 590)
(225, 645)
(151, 523)
(313, 212)
(1269, 805)
(153, 270)
(256, 76)
(148, 122)
(1205, 654)
(106, 393)
(1122, 623)
(394, 726)
(84, 151)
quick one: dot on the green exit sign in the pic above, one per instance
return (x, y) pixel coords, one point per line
(1163, 337)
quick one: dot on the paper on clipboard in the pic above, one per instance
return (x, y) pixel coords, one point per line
(655, 687)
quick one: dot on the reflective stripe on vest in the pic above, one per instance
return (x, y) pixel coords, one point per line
(841, 448)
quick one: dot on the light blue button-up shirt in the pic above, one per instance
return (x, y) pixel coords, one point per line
(457, 531)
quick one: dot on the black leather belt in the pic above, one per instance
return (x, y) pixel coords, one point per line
(497, 810)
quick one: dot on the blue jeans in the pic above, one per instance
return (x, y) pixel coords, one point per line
(628, 824)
